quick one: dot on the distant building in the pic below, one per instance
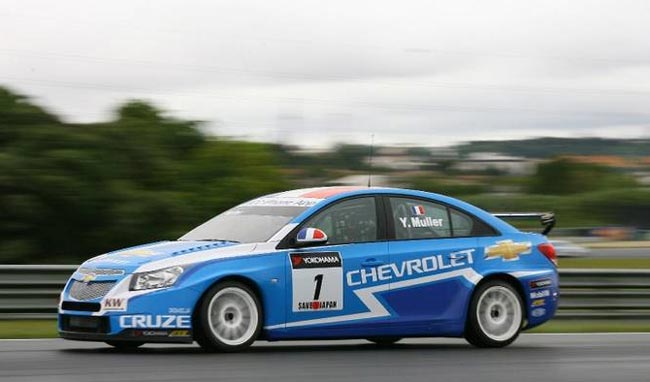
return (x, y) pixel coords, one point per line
(361, 180)
(480, 162)
(603, 160)
(397, 158)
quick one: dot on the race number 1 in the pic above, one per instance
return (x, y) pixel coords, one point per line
(317, 279)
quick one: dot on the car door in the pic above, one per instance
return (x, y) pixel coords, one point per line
(433, 264)
(322, 279)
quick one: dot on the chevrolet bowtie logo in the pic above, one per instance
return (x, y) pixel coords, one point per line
(88, 277)
(508, 250)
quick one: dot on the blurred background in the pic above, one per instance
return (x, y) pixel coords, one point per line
(124, 123)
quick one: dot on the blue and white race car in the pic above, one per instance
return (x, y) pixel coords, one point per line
(322, 263)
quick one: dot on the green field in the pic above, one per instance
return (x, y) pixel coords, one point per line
(28, 329)
(592, 326)
(47, 328)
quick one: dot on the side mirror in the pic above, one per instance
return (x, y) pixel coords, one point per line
(311, 236)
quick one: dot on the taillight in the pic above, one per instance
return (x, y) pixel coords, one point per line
(548, 250)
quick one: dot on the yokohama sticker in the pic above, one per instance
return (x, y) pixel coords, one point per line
(317, 279)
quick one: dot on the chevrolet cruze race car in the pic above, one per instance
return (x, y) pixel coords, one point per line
(324, 263)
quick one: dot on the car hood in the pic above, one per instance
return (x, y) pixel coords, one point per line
(130, 259)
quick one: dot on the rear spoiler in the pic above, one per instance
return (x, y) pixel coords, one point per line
(546, 218)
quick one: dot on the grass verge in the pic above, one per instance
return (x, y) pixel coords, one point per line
(592, 326)
(28, 329)
(47, 328)
(609, 263)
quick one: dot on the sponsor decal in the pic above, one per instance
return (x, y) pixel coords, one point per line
(317, 281)
(147, 321)
(179, 311)
(417, 210)
(317, 305)
(539, 312)
(421, 222)
(539, 302)
(101, 271)
(421, 266)
(282, 202)
(150, 333)
(507, 250)
(161, 333)
(110, 260)
(138, 252)
(541, 283)
(114, 304)
(315, 260)
(179, 333)
(540, 293)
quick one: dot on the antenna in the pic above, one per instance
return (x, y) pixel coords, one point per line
(372, 143)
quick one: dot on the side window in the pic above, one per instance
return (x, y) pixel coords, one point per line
(466, 225)
(350, 221)
(418, 219)
(462, 223)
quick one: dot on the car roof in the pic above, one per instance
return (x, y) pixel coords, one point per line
(318, 197)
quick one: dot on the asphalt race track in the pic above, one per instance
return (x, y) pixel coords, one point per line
(546, 357)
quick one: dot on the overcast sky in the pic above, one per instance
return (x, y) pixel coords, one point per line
(316, 72)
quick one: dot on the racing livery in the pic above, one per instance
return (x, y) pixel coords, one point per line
(321, 263)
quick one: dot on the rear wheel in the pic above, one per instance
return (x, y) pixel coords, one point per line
(230, 318)
(384, 341)
(125, 344)
(495, 315)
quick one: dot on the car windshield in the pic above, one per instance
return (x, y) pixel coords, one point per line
(245, 224)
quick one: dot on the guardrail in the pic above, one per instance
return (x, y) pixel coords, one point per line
(32, 292)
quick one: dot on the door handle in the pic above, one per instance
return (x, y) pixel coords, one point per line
(371, 263)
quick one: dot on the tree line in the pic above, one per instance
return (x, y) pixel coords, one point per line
(72, 191)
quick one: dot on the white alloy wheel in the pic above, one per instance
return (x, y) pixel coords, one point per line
(499, 313)
(232, 316)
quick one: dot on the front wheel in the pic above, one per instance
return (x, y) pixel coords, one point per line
(230, 318)
(495, 315)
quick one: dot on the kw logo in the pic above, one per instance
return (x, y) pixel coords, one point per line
(113, 303)
(507, 250)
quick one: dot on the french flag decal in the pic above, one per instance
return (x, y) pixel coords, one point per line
(311, 234)
(417, 210)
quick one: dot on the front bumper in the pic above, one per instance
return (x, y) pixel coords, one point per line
(98, 328)
(160, 315)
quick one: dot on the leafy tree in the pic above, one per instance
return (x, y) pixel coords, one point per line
(562, 176)
(71, 191)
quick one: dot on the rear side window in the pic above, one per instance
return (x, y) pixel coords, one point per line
(467, 225)
(418, 219)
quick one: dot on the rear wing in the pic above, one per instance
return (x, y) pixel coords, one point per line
(546, 218)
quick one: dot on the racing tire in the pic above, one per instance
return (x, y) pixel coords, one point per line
(495, 315)
(384, 341)
(125, 345)
(229, 318)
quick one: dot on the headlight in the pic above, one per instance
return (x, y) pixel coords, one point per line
(161, 278)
